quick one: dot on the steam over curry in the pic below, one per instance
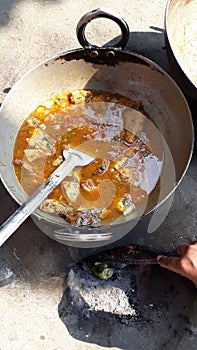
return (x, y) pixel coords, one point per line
(112, 129)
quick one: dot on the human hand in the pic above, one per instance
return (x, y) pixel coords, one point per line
(185, 264)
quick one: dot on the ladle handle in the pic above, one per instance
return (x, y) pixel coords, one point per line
(99, 13)
(27, 208)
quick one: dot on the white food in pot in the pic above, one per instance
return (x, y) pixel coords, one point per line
(182, 34)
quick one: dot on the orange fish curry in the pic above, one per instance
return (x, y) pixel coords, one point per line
(108, 126)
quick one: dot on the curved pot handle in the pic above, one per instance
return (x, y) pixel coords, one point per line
(106, 13)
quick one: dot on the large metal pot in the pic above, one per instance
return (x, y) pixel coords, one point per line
(181, 42)
(108, 69)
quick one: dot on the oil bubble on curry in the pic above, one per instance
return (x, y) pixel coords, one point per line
(119, 134)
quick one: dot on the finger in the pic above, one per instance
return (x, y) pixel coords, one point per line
(171, 263)
(182, 249)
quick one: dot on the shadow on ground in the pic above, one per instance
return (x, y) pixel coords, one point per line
(149, 44)
(139, 308)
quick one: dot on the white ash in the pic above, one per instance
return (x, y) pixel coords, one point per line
(111, 296)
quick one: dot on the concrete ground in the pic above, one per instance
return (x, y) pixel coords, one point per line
(33, 266)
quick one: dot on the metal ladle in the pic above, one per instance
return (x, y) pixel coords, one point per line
(72, 158)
